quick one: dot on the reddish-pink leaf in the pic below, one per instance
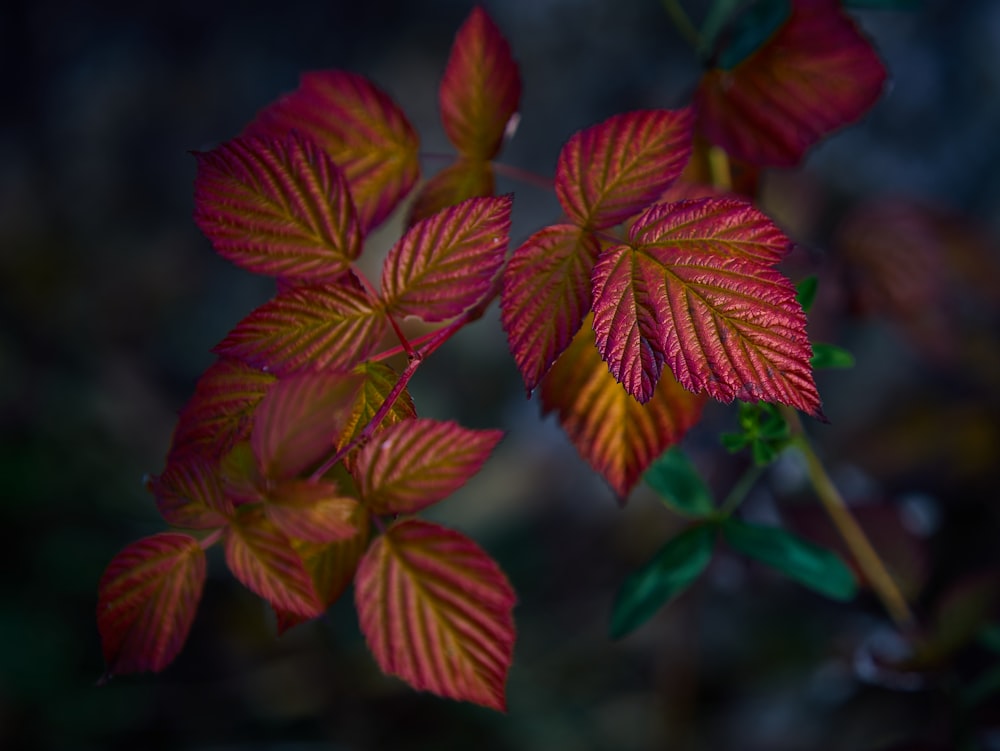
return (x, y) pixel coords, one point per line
(613, 170)
(189, 494)
(331, 566)
(308, 327)
(546, 294)
(444, 264)
(378, 381)
(262, 557)
(147, 600)
(436, 612)
(416, 463)
(480, 89)
(220, 413)
(618, 436)
(311, 511)
(277, 206)
(724, 321)
(365, 133)
(299, 420)
(464, 178)
(816, 74)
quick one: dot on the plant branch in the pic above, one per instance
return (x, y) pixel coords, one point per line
(739, 491)
(682, 23)
(525, 176)
(857, 541)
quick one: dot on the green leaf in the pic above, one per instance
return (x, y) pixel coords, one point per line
(830, 356)
(719, 15)
(672, 570)
(752, 29)
(810, 565)
(806, 290)
(678, 484)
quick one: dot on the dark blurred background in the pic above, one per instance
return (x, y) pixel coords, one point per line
(110, 301)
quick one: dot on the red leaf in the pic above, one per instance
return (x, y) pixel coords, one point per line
(378, 382)
(546, 294)
(444, 264)
(311, 511)
(613, 170)
(314, 327)
(698, 295)
(147, 600)
(618, 436)
(480, 89)
(277, 206)
(416, 463)
(816, 74)
(262, 557)
(220, 413)
(436, 612)
(189, 494)
(365, 133)
(465, 178)
(299, 419)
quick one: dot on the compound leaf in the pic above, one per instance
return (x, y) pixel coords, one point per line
(817, 73)
(365, 133)
(445, 264)
(277, 206)
(480, 89)
(545, 296)
(615, 434)
(436, 611)
(308, 327)
(147, 600)
(611, 171)
(416, 463)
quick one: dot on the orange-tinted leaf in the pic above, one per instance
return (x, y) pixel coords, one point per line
(618, 436)
(299, 419)
(220, 413)
(147, 600)
(189, 494)
(816, 74)
(613, 170)
(311, 511)
(701, 295)
(308, 327)
(262, 557)
(378, 382)
(277, 206)
(436, 612)
(416, 463)
(546, 294)
(365, 133)
(444, 264)
(480, 89)
(464, 178)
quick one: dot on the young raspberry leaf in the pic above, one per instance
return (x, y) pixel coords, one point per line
(365, 133)
(220, 413)
(702, 296)
(331, 566)
(277, 206)
(613, 170)
(261, 556)
(615, 434)
(480, 89)
(332, 326)
(190, 495)
(311, 511)
(545, 296)
(436, 611)
(299, 420)
(378, 381)
(818, 73)
(445, 264)
(147, 600)
(464, 178)
(671, 571)
(416, 463)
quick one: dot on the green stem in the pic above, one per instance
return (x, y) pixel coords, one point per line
(682, 23)
(857, 541)
(740, 489)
